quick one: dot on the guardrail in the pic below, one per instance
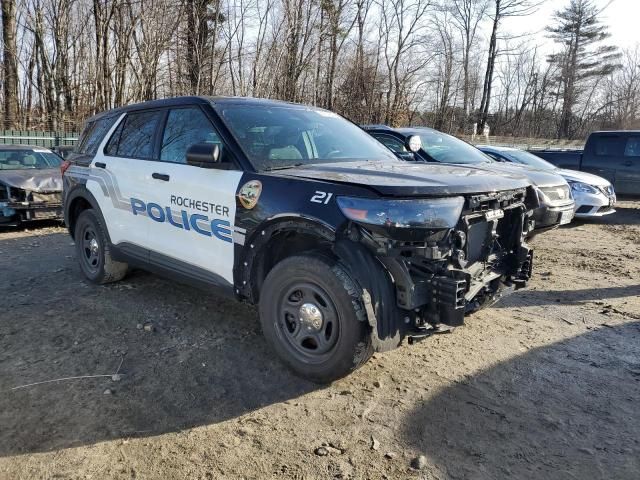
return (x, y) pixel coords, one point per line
(36, 138)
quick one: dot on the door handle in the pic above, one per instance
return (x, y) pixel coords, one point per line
(160, 176)
(100, 165)
(628, 163)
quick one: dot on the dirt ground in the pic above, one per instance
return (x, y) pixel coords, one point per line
(545, 384)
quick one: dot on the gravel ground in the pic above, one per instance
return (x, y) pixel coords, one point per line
(545, 384)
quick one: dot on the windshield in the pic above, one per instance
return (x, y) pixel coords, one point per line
(447, 149)
(28, 159)
(526, 158)
(275, 137)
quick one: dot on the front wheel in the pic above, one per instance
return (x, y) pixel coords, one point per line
(312, 316)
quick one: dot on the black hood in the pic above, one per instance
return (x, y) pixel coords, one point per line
(33, 180)
(409, 179)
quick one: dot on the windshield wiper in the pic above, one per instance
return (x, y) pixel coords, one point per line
(283, 167)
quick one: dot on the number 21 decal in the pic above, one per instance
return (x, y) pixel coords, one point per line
(321, 197)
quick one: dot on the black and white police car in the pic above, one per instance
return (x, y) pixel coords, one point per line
(346, 249)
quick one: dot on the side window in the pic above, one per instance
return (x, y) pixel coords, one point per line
(632, 148)
(186, 127)
(391, 143)
(608, 146)
(94, 133)
(135, 135)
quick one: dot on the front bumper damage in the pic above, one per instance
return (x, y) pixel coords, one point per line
(436, 280)
(19, 206)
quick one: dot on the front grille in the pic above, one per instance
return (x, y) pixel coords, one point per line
(494, 201)
(17, 195)
(604, 209)
(37, 197)
(557, 193)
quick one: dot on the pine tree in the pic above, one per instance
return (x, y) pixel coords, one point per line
(579, 31)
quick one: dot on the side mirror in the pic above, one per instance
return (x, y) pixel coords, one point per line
(204, 155)
(414, 143)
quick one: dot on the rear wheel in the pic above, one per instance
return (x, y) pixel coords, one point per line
(93, 250)
(311, 314)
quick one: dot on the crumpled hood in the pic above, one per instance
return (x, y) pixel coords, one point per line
(34, 180)
(576, 176)
(540, 178)
(407, 179)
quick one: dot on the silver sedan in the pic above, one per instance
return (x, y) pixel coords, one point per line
(594, 195)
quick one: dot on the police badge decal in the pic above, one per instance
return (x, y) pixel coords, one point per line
(250, 193)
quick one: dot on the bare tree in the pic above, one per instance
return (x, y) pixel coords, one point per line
(10, 63)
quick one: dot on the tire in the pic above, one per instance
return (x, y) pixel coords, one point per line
(312, 316)
(94, 251)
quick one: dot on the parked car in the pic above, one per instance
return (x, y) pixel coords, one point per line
(30, 184)
(556, 205)
(612, 155)
(345, 249)
(594, 196)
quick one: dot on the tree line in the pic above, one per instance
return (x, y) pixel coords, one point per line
(450, 64)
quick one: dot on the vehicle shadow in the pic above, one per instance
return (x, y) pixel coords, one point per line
(529, 298)
(567, 410)
(185, 357)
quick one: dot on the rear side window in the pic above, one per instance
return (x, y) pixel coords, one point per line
(632, 148)
(134, 137)
(391, 143)
(93, 134)
(186, 127)
(609, 146)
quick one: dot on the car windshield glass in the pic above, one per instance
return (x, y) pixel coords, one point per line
(275, 137)
(445, 148)
(28, 159)
(526, 158)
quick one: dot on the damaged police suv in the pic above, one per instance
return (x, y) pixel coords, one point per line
(346, 249)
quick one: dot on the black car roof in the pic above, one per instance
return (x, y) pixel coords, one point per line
(404, 131)
(191, 100)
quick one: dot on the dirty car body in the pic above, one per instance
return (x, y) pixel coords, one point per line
(30, 184)
(271, 184)
(556, 203)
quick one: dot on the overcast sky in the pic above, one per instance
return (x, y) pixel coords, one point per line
(622, 17)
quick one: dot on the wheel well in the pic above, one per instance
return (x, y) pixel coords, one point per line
(281, 245)
(78, 205)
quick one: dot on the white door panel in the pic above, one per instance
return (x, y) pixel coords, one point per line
(191, 216)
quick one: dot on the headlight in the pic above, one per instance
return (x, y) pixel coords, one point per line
(580, 187)
(425, 213)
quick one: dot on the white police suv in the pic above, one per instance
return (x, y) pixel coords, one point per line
(345, 248)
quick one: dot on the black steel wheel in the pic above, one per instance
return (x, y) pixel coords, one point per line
(94, 251)
(311, 314)
(90, 248)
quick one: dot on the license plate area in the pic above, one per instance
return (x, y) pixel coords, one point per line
(566, 217)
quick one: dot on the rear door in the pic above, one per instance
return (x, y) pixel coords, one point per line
(628, 173)
(603, 155)
(118, 174)
(192, 209)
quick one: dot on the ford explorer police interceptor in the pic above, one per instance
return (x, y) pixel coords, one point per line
(346, 249)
